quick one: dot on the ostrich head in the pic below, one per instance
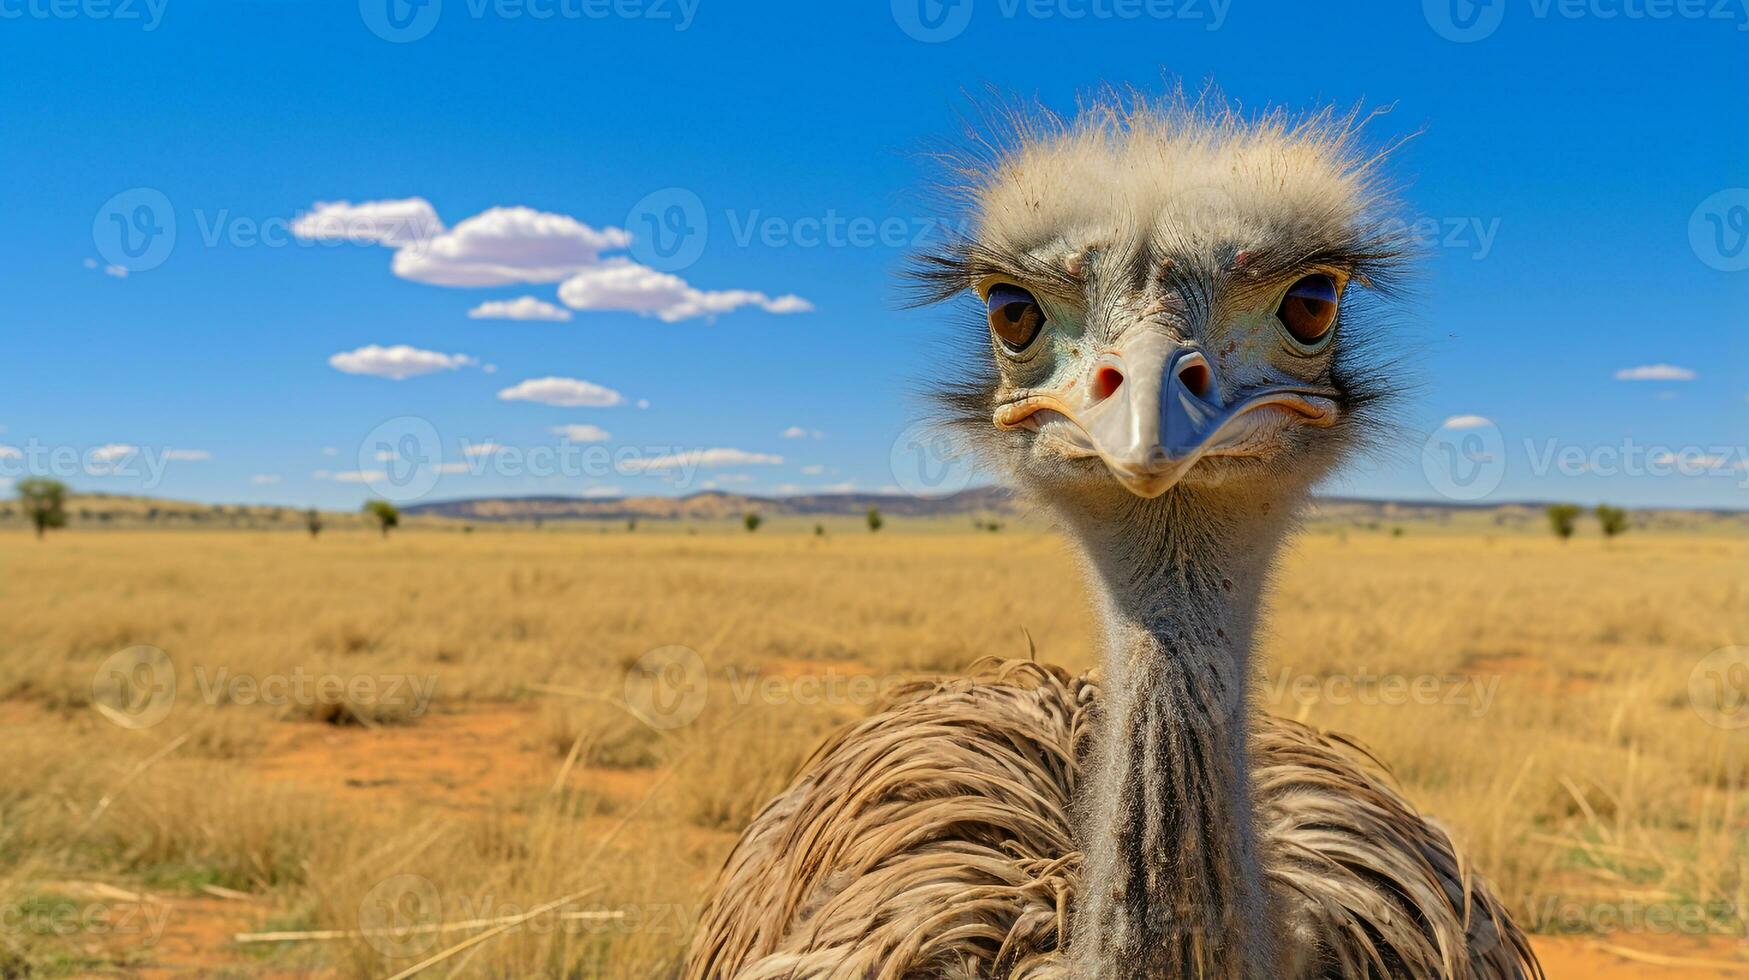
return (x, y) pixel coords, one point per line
(1168, 302)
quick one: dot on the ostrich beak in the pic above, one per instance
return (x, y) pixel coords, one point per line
(1153, 407)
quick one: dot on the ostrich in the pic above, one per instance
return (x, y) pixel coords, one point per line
(1172, 346)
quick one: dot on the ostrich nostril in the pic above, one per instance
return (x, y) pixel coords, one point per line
(1106, 381)
(1197, 378)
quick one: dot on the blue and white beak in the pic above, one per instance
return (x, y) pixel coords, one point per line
(1150, 408)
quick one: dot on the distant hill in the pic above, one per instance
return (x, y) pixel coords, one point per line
(715, 505)
(979, 503)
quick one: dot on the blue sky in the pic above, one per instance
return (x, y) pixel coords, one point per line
(1582, 167)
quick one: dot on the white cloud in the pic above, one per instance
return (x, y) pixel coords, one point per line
(699, 457)
(11, 452)
(352, 476)
(1655, 372)
(398, 363)
(815, 470)
(581, 433)
(264, 479)
(735, 478)
(452, 468)
(521, 308)
(113, 452)
(330, 451)
(90, 263)
(116, 271)
(502, 246)
(603, 491)
(482, 449)
(1466, 422)
(187, 455)
(506, 245)
(563, 392)
(392, 223)
(1691, 462)
(623, 285)
(643, 403)
(797, 432)
(846, 487)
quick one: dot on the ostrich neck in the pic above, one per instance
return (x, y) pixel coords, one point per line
(1173, 885)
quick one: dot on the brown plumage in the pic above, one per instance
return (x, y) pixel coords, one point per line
(934, 839)
(1172, 348)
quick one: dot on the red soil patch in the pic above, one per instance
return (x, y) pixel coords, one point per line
(471, 759)
(1659, 957)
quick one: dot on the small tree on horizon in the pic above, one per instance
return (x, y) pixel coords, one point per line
(313, 522)
(874, 519)
(752, 522)
(1614, 520)
(1562, 518)
(386, 514)
(44, 502)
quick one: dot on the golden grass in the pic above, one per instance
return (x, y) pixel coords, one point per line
(1533, 696)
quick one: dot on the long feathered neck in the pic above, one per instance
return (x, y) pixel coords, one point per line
(1173, 884)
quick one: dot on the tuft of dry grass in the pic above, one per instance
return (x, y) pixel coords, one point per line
(484, 742)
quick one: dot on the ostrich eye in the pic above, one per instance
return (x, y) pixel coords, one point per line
(1015, 316)
(1308, 311)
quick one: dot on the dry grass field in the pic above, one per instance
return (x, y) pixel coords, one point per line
(446, 736)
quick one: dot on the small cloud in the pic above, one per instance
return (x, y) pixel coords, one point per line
(699, 457)
(1655, 372)
(397, 363)
(352, 476)
(522, 308)
(114, 452)
(563, 392)
(1466, 422)
(116, 271)
(482, 449)
(847, 486)
(581, 433)
(625, 286)
(797, 432)
(90, 263)
(330, 451)
(264, 479)
(393, 223)
(11, 452)
(1666, 396)
(735, 478)
(187, 455)
(815, 470)
(643, 403)
(452, 468)
(602, 492)
(1692, 462)
(502, 246)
